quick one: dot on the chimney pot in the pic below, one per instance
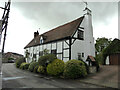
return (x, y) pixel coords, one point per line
(36, 34)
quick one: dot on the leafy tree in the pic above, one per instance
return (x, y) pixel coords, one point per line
(102, 43)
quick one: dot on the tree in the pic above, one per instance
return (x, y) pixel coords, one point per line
(102, 43)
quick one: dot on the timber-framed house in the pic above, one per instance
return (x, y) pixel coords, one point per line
(73, 40)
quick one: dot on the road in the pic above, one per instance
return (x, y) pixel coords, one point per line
(16, 78)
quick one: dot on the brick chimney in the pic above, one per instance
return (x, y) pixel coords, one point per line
(36, 34)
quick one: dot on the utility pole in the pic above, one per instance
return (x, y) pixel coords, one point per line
(4, 22)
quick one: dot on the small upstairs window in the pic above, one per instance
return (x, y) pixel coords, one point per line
(41, 40)
(80, 34)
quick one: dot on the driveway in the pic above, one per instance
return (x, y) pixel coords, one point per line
(16, 78)
(107, 76)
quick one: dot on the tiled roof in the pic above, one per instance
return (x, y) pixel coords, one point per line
(58, 33)
(91, 58)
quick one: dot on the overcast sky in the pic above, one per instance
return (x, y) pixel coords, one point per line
(28, 17)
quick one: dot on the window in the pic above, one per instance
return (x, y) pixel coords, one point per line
(54, 51)
(41, 41)
(34, 55)
(79, 56)
(41, 53)
(80, 34)
(82, 54)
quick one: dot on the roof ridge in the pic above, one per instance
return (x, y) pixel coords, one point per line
(58, 33)
(61, 25)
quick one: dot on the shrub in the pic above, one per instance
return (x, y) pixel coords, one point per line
(35, 69)
(56, 67)
(41, 69)
(45, 60)
(87, 67)
(24, 65)
(74, 69)
(32, 66)
(19, 62)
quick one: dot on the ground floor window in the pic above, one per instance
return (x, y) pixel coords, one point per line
(34, 55)
(54, 51)
(82, 54)
(41, 53)
(79, 56)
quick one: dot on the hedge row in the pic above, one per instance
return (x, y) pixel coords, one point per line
(49, 65)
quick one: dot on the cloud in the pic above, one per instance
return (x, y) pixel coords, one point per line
(27, 17)
(54, 14)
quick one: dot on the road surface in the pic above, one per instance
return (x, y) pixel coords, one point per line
(16, 78)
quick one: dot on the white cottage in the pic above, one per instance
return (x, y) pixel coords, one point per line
(73, 40)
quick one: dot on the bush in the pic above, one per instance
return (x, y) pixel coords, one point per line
(35, 69)
(19, 62)
(87, 67)
(41, 69)
(45, 60)
(32, 66)
(74, 69)
(56, 67)
(24, 65)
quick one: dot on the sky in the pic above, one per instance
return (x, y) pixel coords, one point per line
(28, 17)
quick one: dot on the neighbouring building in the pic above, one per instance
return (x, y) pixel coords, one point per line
(73, 40)
(8, 55)
(113, 59)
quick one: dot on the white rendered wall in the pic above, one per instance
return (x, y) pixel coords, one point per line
(49, 48)
(88, 36)
(85, 46)
(77, 47)
(59, 47)
(65, 44)
(53, 46)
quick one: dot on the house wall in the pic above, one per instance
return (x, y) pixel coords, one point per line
(89, 40)
(85, 46)
(61, 47)
(77, 47)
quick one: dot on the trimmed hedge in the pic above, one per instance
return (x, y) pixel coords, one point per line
(74, 69)
(41, 70)
(87, 67)
(46, 59)
(35, 69)
(24, 65)
(56, 67)
(19, 62)
(32, 66)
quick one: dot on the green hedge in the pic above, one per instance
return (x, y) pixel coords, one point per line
(74, 69)
(36, 69)
(41, 70)
(24, 65)
(19, 62)
(56, 67)
(32, 66)
(46, 59)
